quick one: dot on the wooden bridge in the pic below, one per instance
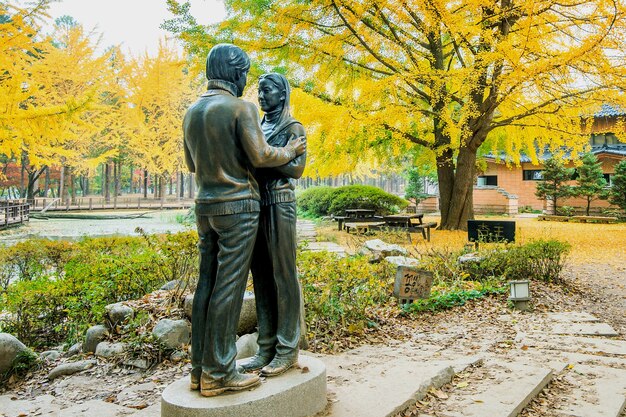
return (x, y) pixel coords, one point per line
(13, 213)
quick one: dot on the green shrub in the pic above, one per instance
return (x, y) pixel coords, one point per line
(365, 197)
(339, 294)
(37, 311)
(60, 301)
(439, 300)
(323, 201)
(316, 200)
(539, 260)
(25, 361)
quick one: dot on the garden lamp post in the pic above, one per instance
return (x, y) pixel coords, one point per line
(520, 294)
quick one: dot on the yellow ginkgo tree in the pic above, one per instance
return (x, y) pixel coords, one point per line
(161, 89)
(55, 98)
(385, 75)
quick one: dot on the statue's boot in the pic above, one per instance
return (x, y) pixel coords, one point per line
(279, 365)
(254, 363)
(239, 382)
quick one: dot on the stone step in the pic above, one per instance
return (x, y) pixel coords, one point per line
(598, 391)
(591, 345)
(584, 329)
(572, 317)
(41, 406)
(326, 246)
(384, 384)
(503, 390)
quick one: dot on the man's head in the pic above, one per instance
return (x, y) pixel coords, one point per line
(229, 63)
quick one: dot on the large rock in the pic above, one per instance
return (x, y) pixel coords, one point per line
(247, 319)
(10, 350)
(402, 261)
(95, 335)
(70, 368)
(119, 313)
(173, 285)
(75, 349)
(378, 250)
(50, 355)
(247, 345)
(172, 333)
(109, 350)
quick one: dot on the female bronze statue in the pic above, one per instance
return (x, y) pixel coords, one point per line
(276, 286)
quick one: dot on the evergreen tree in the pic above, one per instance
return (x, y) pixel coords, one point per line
(554, 183)
(414, 190)
(590, 182)
(617, 194)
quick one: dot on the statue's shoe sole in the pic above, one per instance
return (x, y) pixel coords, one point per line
(217, 391)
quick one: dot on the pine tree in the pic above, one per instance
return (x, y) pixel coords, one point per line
(554, 183)
(414, 190)
(590, 182)
(617, 194)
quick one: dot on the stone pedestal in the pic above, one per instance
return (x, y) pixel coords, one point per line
(300, 392)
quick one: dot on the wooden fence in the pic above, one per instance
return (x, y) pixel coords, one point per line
(13, 213)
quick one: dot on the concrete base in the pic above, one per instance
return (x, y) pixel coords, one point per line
(300, 392)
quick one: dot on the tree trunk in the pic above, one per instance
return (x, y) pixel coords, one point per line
(588, 205)
(46, 186)
(32, 180)
(162, 186)
(61, 192)
(456, 190)
(131, 190)
(107, 182)
(181, 190)
(23, 175)
(145, 183)
(72, 185)
(157, 186)
(192, 185)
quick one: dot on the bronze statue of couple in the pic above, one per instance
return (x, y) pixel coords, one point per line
(246, 220)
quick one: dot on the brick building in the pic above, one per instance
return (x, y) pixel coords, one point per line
(503, 188)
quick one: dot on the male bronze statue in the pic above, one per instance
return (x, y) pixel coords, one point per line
(276, 287)
(223, 145)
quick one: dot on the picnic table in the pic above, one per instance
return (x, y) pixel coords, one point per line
(406, 223)
(356, 216)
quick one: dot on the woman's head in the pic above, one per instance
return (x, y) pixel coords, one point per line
(273, 92)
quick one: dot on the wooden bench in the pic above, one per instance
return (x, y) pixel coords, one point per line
(361, 227)
(594, 219)
(340, 220)
(424, 228)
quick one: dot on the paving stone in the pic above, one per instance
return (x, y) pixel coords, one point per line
(572, 316)
(590, 345)
(400, 379)
(509, 388)
(599, 391)
(95, 408)
(584, 329)
(42, 406)
(326, 246)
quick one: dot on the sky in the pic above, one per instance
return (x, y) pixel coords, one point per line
(133, 24)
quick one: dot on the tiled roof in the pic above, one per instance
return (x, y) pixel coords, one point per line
(610, 110)
(619, 150)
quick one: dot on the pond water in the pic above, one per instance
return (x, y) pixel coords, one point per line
(74, 229)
